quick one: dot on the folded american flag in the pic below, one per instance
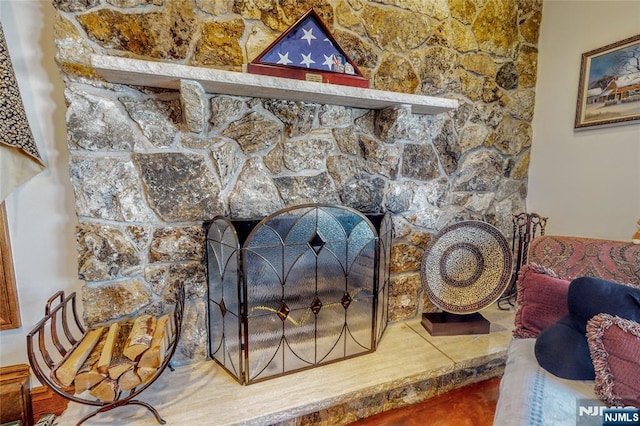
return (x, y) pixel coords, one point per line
(307, 45)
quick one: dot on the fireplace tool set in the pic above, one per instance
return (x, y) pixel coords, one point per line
(526, 226)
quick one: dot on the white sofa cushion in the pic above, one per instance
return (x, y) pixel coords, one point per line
(531, 396)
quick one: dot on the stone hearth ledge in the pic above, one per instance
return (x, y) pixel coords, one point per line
(409, 366)
(168, 76)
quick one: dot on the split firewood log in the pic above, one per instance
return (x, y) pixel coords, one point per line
(119, 362)
(86, 380)
(128, 380)
(146, 373)
(140, 336)
(171, 329)
(66, 371)
(88, 374)
(154, 356)
(107, 352)
(107, 390)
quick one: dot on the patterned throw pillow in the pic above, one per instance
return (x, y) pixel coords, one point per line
(614, 344)
(542, 300)
(562, 348)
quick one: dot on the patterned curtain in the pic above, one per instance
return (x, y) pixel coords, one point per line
(19, 157)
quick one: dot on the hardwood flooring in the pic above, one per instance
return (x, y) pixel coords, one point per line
(472, 405)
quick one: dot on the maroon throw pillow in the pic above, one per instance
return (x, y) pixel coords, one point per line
(614, 344)
(541, 300)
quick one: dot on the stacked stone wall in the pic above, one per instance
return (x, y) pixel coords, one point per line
(149, 166)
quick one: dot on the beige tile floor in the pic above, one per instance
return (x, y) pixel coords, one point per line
(204, 394)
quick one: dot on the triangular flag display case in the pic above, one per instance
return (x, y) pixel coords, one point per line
(308, 51)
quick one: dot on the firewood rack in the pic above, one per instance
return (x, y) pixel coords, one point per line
(61, 330)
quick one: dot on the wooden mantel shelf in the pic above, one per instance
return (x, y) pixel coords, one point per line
(168, 75)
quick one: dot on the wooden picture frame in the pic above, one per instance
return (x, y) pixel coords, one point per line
(9, 307)
(609, 88)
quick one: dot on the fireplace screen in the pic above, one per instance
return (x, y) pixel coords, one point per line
(303, 287)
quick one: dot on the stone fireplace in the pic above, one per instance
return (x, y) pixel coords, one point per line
(150, 164)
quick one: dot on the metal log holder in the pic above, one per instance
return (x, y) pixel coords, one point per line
(526, 226)
(58, 334)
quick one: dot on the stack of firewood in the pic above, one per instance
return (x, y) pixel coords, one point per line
(116, 357)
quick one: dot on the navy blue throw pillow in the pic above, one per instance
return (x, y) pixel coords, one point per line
(589, 296)
(562, 348)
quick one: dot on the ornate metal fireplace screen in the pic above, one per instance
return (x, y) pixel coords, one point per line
(303, 287)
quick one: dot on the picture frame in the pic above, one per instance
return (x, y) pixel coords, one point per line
(609, 88)
(9, 305)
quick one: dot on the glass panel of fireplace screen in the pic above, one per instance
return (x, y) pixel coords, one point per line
(303, 287)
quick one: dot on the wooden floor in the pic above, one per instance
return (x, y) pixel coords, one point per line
(473, 405)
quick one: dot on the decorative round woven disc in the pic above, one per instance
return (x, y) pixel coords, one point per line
(466, 267)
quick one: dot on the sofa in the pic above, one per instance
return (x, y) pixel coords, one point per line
(548, 285)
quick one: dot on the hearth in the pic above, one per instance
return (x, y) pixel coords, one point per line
(303, 287)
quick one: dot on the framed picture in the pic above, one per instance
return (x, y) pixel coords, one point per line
(609, 89)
